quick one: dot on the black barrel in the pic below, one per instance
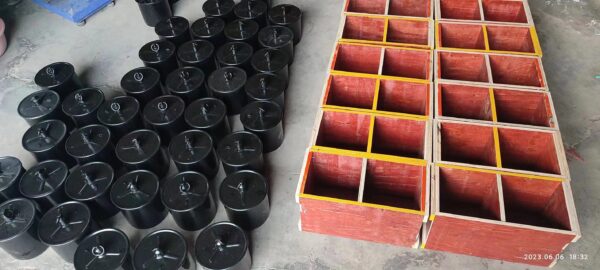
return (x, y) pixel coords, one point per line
(11, 170)
(90, 184)
(227, 84)
(136, 194)
(121, 115)
(142, 83)
(210, 115)
(106, 249)
(277, 37)
(46, 140)
(82, 106)
(44, 183)
(241, 150)
(223, 246)
(154, 11)
(64, 226)
(243, 30)
(245, 195)
(18, 229)
(219, 8)
(43, 105)
(272, 61)
(164, 250)
(187, 196)
(236, 54)
(140, 150)
(92, 143)
(265, 119)
(192, 150)
(197, 53)
(59, 77)
(175, 29)
(289, 16)
(209, 29)
(164, 115)
(160, 55)
(266, 87)
(188, 83)
(252, 10)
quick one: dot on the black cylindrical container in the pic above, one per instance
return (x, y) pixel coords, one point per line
(209, 29)
(92, 143)
(227, 84)
(290, 16)
(42, 105)
(136, 194)
(210, 115)
(60, 77)
(175, 29)
(164, 250)
(140, 150)
(164, 115)
(187, 196)
(219, 8)
(223, 246)
(243, 30)
(18, 229)
(11, 171)
(192, 150)
(142, 83)
(121, 115)
(241, 150)
(265, 119)
(90, 184)
(187, 83)
(44, 183)
(154, 11)
(106, 249)
(252, 10)
(160, 55)
(245, 195)
(64, 226)
(266, 87)
(46, 140)
(236, 54)
(197, 53)
(272, 61)
(82, 106)
(277, 37)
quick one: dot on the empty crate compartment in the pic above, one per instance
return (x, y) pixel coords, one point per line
(364, 28)
(356, 58)
(406, 63)
(408, 31)
(367, 6)
(333, 176)
(460, 9)
(504, 11)
(351, 91)
(528, 150)
(464, 36)
(462, 101)
(469, 193)
(523, 107)
(516, 70)
(467, 143)
(399, 137)
(413, 8)
(344, 130)
(395, 184)
(535, 202)
(403, 97)
(462, 66)
(510, 38)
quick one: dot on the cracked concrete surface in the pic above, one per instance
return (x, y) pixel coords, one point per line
(104, 49)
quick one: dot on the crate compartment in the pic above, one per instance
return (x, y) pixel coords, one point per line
(367, 6)
(521, 107)
(464, 36)
(469, 193)
(406, 63)
(355, 58)
(351, 91)
(364, 28)
(394, 184)
(510, 38)
(464, 101)
(535, 202)
(466, 143)
(524, 71)
(462, 66)
(413, 8)
(504, 11)
(528, 150)
(344, 130)
(403, 97)
(460, 9)
(399, 137)
(333, 176)
(408, 31)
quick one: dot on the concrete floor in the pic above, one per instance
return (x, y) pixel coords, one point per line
(107, 47)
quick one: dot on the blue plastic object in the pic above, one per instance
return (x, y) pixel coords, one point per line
(76, 11)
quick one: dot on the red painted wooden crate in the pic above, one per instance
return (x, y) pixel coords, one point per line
(403, 8)
(488, 11)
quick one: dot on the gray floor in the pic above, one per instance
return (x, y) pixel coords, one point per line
(107, 46)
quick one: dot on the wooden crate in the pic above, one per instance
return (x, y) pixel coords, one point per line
(488, 11)
(396, 8)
